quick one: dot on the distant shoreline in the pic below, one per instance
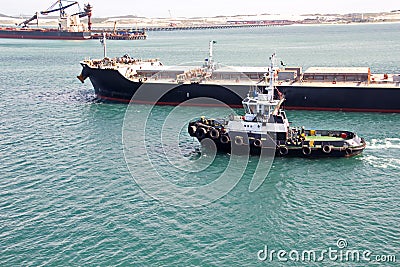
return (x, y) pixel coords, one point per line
(239, 21)
(108, 26)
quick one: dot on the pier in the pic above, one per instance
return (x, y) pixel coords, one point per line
(216, 26)
(141, 34)
(120, 34)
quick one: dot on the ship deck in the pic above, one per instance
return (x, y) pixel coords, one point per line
(235, 75)
(250, 82)
(383, 84)
(209, 82)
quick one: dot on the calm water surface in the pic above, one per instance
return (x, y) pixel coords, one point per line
(67, 196)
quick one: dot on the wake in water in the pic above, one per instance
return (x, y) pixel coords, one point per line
(381, 162)
(387, 143)
(381, 153)
(81, 96)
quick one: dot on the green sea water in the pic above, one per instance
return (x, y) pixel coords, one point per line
(71, 194)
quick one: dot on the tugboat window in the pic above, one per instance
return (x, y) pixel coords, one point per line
(246, 108)
(253, 109)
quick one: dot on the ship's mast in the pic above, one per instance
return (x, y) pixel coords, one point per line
(210, 51)
(271, 87)
(266, 104)
(210, 60)
(103, 42)
(62, 11)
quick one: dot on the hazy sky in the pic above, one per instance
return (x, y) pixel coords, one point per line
(191, 8)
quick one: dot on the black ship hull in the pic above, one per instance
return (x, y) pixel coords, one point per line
(49, 34)
(346, 98)
(111, 85)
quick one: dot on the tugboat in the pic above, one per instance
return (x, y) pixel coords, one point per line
(265, 129)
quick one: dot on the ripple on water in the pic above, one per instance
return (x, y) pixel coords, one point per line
(67, 197)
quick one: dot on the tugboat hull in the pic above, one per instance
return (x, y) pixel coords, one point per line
(312, 144)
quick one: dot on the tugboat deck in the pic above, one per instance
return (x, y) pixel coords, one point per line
(322, 138)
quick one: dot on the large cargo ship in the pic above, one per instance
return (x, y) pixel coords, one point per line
(149, 81)
(69, 26)
(21, 33)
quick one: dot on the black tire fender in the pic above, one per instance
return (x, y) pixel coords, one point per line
(257, 143)
(239, 140)
(214, 133)
(349, 151)
(201, 133)
(224, 139)
(327, 149)
(192, 130)
(306, 150)
(283, 150)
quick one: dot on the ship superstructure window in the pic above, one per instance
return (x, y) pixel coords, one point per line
(246, 108)
(266, 109)
(339, 78)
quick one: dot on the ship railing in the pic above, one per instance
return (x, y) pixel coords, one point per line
(118, 61)
(193, 75)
